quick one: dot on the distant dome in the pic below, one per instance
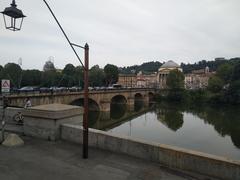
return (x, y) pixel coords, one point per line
(170, 64)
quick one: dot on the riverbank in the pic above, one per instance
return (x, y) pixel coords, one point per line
(200, 96)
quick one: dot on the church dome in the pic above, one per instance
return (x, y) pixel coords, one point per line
(170, 64)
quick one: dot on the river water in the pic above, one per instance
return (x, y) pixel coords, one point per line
(214, 130)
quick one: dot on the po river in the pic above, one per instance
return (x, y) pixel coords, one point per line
(214, 130)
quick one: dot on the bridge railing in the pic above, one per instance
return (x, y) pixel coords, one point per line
(37, 92)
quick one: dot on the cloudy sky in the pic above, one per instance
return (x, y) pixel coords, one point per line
(123, 32)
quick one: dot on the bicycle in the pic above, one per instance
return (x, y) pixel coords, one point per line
(18, 118)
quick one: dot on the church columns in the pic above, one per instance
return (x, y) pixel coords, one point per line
(163, 80)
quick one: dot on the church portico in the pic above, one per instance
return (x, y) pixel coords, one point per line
(163, 72)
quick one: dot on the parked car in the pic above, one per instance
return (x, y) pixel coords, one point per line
(75, 89)
(26, 89)
(62, 89)
(96, 88)
(110, 88)
(53, 89)
(103, 88)
(44, 90)
(117, 86)
(90, 88)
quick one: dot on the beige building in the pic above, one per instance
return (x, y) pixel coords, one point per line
(139, 80)
(146, 80)
(198, 79)
(156, 80)
(127, 80)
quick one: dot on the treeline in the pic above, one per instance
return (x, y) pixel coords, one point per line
(50, 76)
(148, 67)
(225, 84)
(213, 65)
(153, 66)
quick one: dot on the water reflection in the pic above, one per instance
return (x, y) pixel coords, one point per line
(138, 105)
(118, 110)
(225, 120)
(118, 115)
(93, 117)
(209, 129)
(138, 102)
(172, 118)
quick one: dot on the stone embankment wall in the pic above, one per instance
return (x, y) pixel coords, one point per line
(10, 112)
(169, 156)
(10, 124)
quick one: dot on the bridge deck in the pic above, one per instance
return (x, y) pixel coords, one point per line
(31, 94)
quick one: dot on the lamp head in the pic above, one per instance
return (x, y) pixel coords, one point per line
(13, 17)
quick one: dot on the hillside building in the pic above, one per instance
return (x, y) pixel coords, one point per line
(198, 79)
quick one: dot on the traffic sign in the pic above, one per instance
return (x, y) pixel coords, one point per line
(5, 86)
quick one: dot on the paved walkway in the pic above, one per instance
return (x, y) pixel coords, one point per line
(44, 160)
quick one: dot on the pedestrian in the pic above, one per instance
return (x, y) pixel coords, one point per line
(27, 103)
(5, 102)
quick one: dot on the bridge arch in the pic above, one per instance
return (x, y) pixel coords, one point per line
(119, 99)
(118, 106)
(138, 95)
(93, 105)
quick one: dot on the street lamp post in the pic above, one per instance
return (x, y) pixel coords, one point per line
(15, 14)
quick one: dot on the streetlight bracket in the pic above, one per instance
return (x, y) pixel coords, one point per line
(65, 35)
(73, 44)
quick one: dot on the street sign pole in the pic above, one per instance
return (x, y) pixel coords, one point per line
(5, 89)
(3, 117)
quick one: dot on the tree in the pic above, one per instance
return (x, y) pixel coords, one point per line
(234, 92)
(13, 72)
(236, 72)
(50, 78)
(1, 72)
(96, 76)
(111, 74)
(78, 76)
(175, 80)
(175, 83)
(69, 69)
(67, 79)
(148, 67)
(49, 66)
(31, 78)
(215, 84)
(224, 72)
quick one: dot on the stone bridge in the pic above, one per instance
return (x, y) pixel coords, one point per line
(98, 100)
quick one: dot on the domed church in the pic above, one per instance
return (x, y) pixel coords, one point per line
(163, 72)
